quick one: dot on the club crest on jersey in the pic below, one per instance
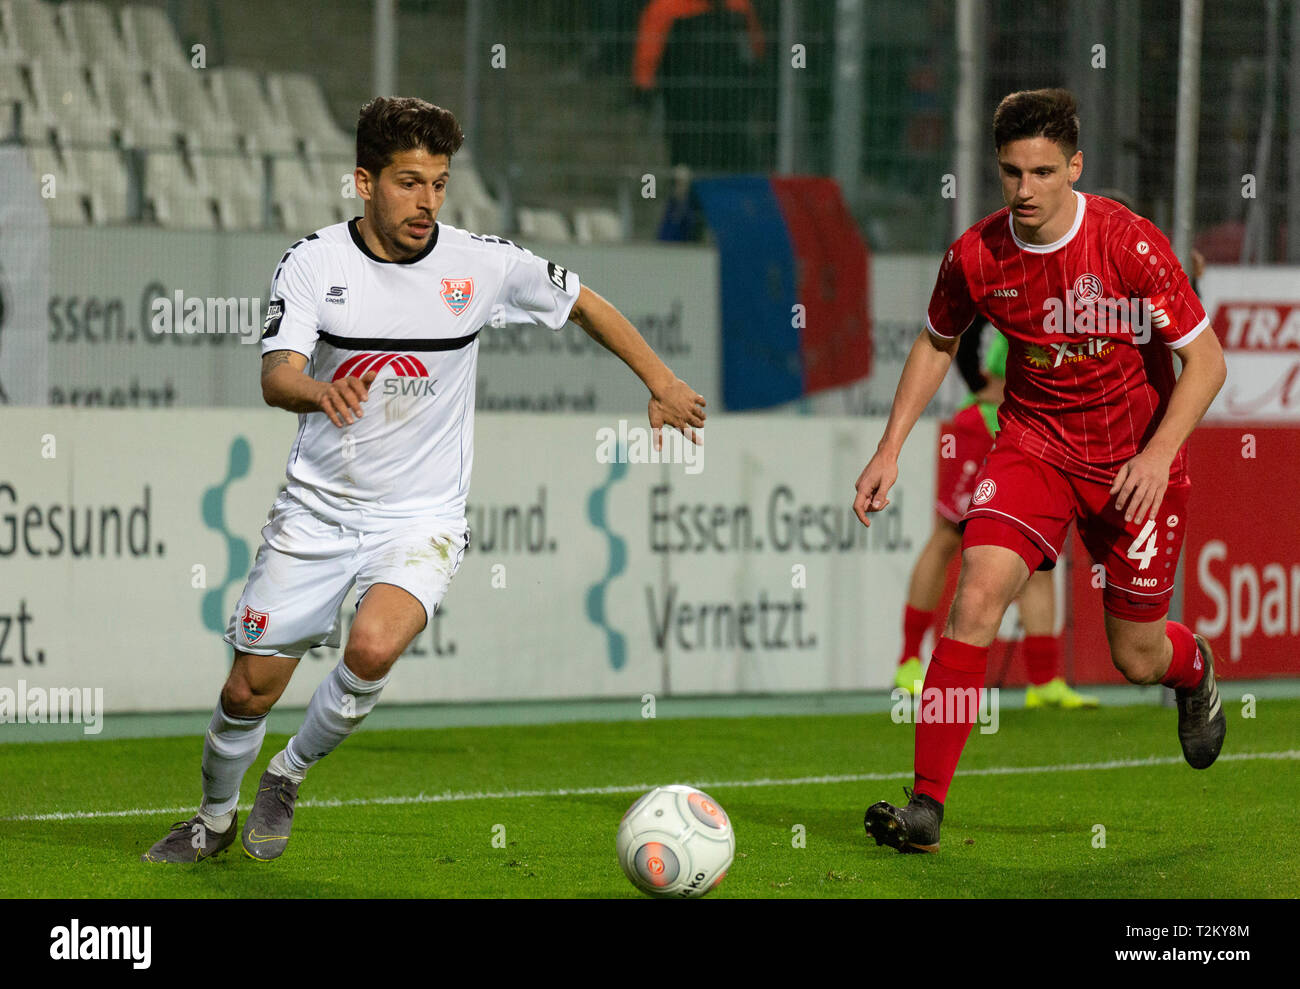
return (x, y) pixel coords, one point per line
(1087, 289)
(457, 293)
(254, 623)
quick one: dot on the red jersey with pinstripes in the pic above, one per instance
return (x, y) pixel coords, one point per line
(1087, 381)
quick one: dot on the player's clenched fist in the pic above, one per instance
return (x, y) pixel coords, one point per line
(873, 486)
(341, 400)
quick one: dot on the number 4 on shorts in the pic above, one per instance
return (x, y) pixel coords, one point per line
(1145, 553)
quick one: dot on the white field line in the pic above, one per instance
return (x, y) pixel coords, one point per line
(720, 785)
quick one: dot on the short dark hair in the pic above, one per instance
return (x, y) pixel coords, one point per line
(389, 124)
(1049, 113)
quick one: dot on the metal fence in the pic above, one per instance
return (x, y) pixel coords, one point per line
(570, 105)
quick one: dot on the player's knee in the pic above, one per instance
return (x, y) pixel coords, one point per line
(1138, 661)
(240, 699)
(976, 612)
(369, 655)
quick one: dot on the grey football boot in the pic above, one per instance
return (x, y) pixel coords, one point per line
(192, 841)
(266, 832)
(1201, 721)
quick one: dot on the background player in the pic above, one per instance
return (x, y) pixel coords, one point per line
(1093, 429)
(982, 362)
(384, 309)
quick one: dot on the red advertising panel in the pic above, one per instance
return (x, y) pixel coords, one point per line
(1241, 562)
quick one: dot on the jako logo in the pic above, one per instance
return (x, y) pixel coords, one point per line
(77, 943)
(402, 365)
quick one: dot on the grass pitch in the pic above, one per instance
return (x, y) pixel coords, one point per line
(413, 812)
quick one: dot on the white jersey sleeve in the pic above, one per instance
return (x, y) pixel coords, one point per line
(292, 317)
(535, 291)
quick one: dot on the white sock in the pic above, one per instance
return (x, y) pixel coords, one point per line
(340, 703)
(229, 749)
(280, 767)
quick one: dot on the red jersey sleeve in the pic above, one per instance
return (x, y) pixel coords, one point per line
(1151, 271)
(952, 309)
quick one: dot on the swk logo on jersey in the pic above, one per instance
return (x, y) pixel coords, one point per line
(457, 293)
(401, 366)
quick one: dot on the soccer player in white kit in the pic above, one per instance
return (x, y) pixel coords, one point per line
(371, 337)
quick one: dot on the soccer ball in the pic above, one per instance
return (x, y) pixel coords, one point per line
(675, 841)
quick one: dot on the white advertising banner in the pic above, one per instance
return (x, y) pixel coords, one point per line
(1256, 312)
(126, 537)
(142, 318)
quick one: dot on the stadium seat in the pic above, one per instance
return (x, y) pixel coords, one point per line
(92, 30)
(150, 37)
(329, 173)
(64, 94)
(204, 117)
(266, 129)
(298, 98)
(67, 206)
(543, 223)
(235, 181)
(32, 27)
(180, 198)
(303, 203)
(104, 175)
(145, 124)
(595, 226)
(33, 123)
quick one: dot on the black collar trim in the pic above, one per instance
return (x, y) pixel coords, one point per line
(361, 244)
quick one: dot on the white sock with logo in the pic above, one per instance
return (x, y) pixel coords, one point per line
(229, 749)
(340, 704)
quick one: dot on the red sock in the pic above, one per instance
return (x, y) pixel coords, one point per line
(954, 666)
(1186, 669)
(915, 622)
(1042, 658)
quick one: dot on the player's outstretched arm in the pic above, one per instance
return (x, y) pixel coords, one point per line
(285, 386)
(672, 401)
(1141, 483)
(928, 362)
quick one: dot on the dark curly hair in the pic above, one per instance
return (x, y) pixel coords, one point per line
(388, 125)
(1049, 113)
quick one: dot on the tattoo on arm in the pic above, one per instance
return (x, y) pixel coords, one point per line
(274, 360)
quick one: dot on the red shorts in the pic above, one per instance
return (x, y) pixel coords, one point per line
(1035, 502)
(963, 444)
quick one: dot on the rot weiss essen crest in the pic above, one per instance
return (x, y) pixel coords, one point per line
(457, 293)
(254, 623)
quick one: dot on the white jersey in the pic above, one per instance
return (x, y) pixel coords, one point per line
(416, 323)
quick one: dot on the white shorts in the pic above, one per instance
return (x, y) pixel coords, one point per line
(307, 564)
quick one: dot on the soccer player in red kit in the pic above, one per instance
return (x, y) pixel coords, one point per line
(1093, 301)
